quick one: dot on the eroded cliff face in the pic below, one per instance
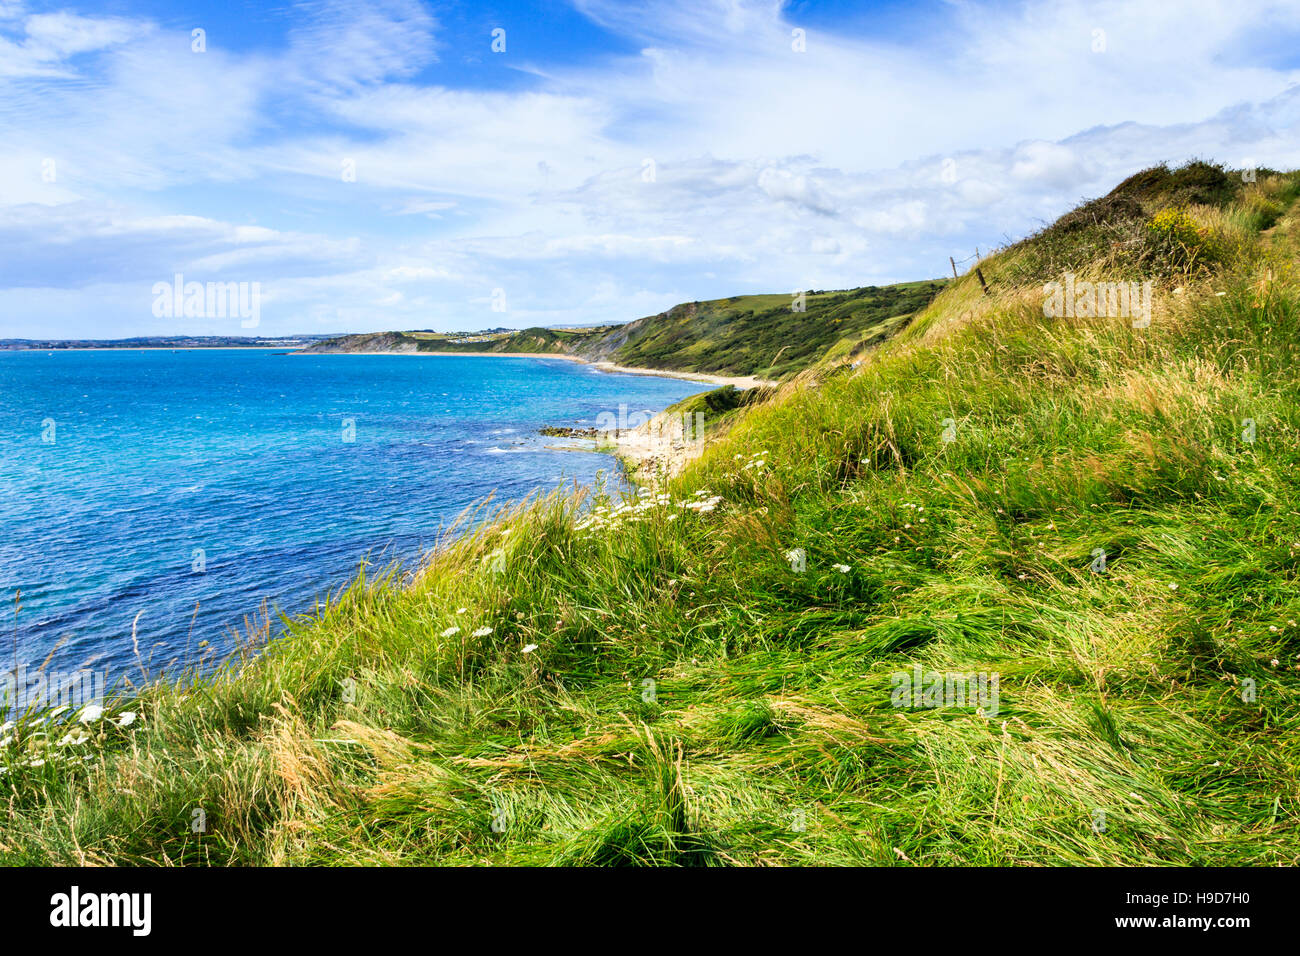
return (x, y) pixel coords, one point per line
(365, 342)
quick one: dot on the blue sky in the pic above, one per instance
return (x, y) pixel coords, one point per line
(615, 159)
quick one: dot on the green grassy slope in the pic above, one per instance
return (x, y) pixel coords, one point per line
(607, 682)
(763, 335)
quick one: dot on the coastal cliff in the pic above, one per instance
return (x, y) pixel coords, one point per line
(763, 337)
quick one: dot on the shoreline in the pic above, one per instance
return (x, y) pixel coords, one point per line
(739, 381)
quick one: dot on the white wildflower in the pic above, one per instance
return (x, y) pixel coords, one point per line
(703, 506)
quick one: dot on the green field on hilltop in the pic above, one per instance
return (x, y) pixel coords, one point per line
(1102, 515)
(764, 335)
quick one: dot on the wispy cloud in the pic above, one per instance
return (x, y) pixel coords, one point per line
(46, 44)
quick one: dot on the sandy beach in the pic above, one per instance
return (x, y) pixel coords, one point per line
(739, 381)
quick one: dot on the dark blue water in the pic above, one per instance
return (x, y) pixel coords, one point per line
(148, 481)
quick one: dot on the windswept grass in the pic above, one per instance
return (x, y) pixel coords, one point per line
(584, 681)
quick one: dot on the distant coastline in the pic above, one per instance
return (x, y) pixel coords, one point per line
(163, 343)
(159, 348)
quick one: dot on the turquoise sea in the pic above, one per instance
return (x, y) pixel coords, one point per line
(137, 482)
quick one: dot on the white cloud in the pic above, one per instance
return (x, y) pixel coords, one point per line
(43, 43)
(342, 46)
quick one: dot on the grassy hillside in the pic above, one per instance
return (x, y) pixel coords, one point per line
(591, 681)
(743, 335)
(763, 335)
